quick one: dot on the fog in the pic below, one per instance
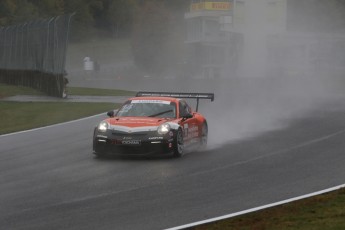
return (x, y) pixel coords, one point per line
(250, 108)
(282, 74)
(277, 83)
(270, 92)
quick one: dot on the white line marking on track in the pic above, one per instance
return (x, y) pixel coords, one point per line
(257, 208)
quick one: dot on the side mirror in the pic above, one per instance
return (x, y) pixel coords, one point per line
(188, 115)
(110, 114)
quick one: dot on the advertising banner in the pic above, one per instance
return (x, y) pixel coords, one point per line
(211, 6)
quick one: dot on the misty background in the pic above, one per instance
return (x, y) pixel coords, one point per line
(273, 59)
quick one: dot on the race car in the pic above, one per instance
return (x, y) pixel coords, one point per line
(153, 123)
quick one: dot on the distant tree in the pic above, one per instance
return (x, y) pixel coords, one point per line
(25, 11)
(120, 16)
(83, 21)
(7, 9)
(92, 16)
(16, 11)
(98, 8)
(153, 43)
(49, 8)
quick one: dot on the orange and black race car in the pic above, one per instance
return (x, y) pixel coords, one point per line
(153, 123)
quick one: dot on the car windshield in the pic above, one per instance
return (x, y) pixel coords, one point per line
(148, 108)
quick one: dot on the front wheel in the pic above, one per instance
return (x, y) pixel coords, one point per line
(100, 154)
(178, 144)
(99, 151)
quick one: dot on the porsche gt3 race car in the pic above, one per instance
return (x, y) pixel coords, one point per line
(153, 123)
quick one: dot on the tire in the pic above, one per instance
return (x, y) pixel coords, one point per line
(99, 151)
(100, 154)
(204, 137)
(178, 144)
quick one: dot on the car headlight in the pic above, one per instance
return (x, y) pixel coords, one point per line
(164, 128)
(103, 126)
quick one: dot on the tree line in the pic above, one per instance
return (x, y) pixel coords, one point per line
(155, 27)
(112, 17)
(117, 17)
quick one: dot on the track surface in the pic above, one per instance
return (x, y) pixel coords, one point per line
(50, 180)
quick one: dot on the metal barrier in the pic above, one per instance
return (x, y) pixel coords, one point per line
(33, 54)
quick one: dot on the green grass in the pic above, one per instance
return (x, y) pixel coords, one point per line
(323, 212)
(17, 116)
(11, 90)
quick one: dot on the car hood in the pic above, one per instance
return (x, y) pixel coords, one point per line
(135, 122)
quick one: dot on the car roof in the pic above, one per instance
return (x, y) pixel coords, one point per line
(171, 99)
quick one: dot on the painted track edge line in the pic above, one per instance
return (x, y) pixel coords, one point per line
(49, 126)
(258, 208)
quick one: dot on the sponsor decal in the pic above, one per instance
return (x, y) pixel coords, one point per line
(155, 138)
(218, 6)
(125, 142)
(127, 129)
(151, 101)
(193, 131)
(211, 5)
(130, 142)
(101, 136)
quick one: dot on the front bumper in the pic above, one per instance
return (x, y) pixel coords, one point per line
(133, 144)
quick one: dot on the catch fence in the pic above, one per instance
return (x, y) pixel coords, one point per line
(33, 54)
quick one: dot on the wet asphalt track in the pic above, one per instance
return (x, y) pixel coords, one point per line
(50, 180)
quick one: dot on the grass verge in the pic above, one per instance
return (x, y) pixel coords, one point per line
(323, 212)
(11, 90)
(18, 116)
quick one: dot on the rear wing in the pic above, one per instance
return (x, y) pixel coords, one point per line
(197, 96)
